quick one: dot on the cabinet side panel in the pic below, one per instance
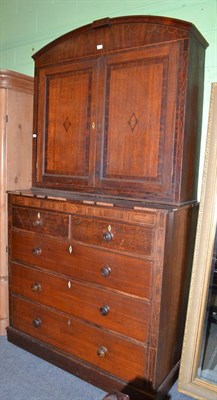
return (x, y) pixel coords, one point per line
(193, 121)
(179, 249)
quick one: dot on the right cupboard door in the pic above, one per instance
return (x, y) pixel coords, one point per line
(138, 118)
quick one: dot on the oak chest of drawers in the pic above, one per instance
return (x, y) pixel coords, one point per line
(99, 285)
(100, 248)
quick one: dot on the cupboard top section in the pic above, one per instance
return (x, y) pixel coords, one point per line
(117, 110)
(115, 34)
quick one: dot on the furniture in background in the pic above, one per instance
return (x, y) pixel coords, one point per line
(16, 119)
(101, 247)
(198, 371)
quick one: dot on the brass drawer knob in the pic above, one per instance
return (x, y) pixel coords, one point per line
(102, 351)
(36, 287)
(104, 310)
(36, 251)
(105, 271)
(107, 236)
(36, 322)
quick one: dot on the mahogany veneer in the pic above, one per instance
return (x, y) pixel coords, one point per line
(101, 247)
(69, 293)
(129, 102)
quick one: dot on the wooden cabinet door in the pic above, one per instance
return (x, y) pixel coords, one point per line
(113, 124)
(65, 132)
(138, 121)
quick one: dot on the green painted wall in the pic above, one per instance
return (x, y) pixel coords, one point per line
(27, 25)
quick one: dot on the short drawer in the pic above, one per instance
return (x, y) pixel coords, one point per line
(43, 222)
(124, 358)
(117, 271)
(114, 311)
(134, 239)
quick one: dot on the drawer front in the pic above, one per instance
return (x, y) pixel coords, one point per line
(100, 348)
(42, 222)
(117, 271)
(123, 314)
(114, 236)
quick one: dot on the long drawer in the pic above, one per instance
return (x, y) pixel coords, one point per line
(117, 271)
(124, 358)
(114, 311)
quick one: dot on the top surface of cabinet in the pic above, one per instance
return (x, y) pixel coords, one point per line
(115, 34)
(110, 117)
(16, 81)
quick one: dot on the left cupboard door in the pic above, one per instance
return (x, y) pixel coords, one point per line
(66, 125)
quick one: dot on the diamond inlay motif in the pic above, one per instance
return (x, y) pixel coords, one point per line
(133, 121)
(66, 124)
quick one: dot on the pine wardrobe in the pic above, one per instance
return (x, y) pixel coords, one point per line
(16, 119)
(101, 246)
